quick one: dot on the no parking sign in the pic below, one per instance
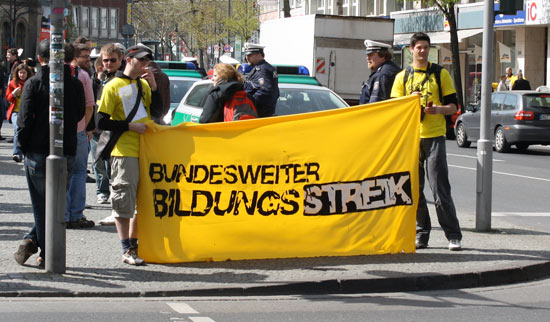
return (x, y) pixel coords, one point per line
(227, 48)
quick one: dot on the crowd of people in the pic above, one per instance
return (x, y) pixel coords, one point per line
(124, 88)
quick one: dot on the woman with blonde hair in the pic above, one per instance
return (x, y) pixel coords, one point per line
(13, 94)
(227, 81)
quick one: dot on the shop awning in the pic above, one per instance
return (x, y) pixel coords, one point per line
(436, 37)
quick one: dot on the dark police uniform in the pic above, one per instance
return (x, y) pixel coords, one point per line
(261, 83)
(378, 87)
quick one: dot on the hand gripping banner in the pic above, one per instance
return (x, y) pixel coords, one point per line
(332, 183)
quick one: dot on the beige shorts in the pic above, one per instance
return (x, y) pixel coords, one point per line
(124, 184)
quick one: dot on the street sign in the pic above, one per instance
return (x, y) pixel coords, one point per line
(127, 30)
(227, 48)
(216, 47)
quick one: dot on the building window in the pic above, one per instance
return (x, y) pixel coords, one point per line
(298, 3)
(76, 17)
(20, 35)
(113, 23)
(95, 22)
(354, 8)
(84, 21)
(345, 8)
(103, 22)
(320, 6)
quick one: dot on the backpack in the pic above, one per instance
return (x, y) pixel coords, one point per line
(432, 69)
(239, 107)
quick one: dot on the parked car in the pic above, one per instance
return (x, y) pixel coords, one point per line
(520, 118)
(297, 94)
(180, 82)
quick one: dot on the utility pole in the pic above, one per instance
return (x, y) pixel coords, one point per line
(56, 164)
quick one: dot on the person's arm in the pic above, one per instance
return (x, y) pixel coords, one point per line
(209, 110)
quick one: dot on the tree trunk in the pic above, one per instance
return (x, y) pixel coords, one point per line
(456, 58)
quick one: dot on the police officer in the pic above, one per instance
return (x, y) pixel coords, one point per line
(261, 83)
(383, 71)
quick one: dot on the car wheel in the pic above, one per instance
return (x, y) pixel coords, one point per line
(522, 146)
(501, 145)
(461, 137)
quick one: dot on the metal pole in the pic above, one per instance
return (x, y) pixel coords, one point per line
(56, 164)
(484, 182)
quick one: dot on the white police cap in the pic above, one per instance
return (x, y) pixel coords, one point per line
(250, 48)
(373, 46)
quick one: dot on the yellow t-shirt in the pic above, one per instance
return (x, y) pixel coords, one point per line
(433, 125)
(118, 99)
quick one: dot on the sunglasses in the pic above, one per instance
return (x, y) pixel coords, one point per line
(112, 60)
(143, 58)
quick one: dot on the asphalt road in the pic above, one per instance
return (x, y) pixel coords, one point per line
(520, 188)
(498, 304)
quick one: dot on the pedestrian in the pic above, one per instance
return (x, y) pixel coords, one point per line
(12, 57)
(521, 84)
(510, 78)
(163, 85)
(78, 56)
(438, 98)
(82, 40)
(34, 141)
(502, 84)
(261, 82)
(110, 57)
(3, 102)
(226, 82)
(126, 103)
(383, 71)
(13, 94)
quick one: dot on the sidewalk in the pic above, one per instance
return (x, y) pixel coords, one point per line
(510, 254)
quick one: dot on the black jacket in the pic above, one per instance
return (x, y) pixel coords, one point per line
(378, 87)
(521, 84)
(262, 86)
(33, 119)
(215, 100)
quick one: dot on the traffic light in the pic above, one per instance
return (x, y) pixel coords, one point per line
(510, 7)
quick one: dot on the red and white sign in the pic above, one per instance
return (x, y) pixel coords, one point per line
(227, 48)
(320, 66)
(537, 12)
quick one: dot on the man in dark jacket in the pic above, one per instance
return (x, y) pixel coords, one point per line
(383, 71)
(521, 84)
(33, 130)
(261, 83)
(163, 84)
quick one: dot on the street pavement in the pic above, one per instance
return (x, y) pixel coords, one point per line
(509, 253)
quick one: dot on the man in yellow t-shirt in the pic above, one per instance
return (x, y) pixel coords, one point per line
(117, 101)
(423, 81)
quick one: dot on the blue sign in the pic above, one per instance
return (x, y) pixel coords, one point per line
(508, 20)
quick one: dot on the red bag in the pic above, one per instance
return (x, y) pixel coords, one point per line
(239, 107)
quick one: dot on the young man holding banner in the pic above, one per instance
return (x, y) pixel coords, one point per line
(126, 103)
(423, 81)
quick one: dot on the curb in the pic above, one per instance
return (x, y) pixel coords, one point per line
(413, 283)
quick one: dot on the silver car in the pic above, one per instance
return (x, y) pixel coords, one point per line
(519, 118)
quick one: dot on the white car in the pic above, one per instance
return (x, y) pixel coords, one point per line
(294, 98)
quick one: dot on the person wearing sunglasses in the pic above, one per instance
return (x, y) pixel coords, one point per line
(126, 103)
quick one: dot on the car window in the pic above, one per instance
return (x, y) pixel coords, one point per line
(497, 101)
(537, 100)
(197, 94)
(296, 101)
(178, 88)
(510, 102)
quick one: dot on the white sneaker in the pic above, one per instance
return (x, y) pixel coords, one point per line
(131, 257)
(107, 221)
(102, 199)
(454, 244)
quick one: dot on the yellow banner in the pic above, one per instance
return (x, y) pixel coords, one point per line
(333, 183)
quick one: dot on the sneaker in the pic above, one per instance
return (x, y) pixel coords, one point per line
(131, 257)
(107, 221)
(420, 244)
(454, 244)
(25, 250)
(17, 158)
(10, 140)
(90, 179)
(41, 262)
(102, 199)
(81, 223)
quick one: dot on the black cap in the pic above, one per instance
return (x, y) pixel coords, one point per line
(139, 51)
(44, 49)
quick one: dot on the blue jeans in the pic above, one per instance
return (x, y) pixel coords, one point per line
(76, 195)
(35, 172)
(433, 164)
(102, 169)
(16, 150)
